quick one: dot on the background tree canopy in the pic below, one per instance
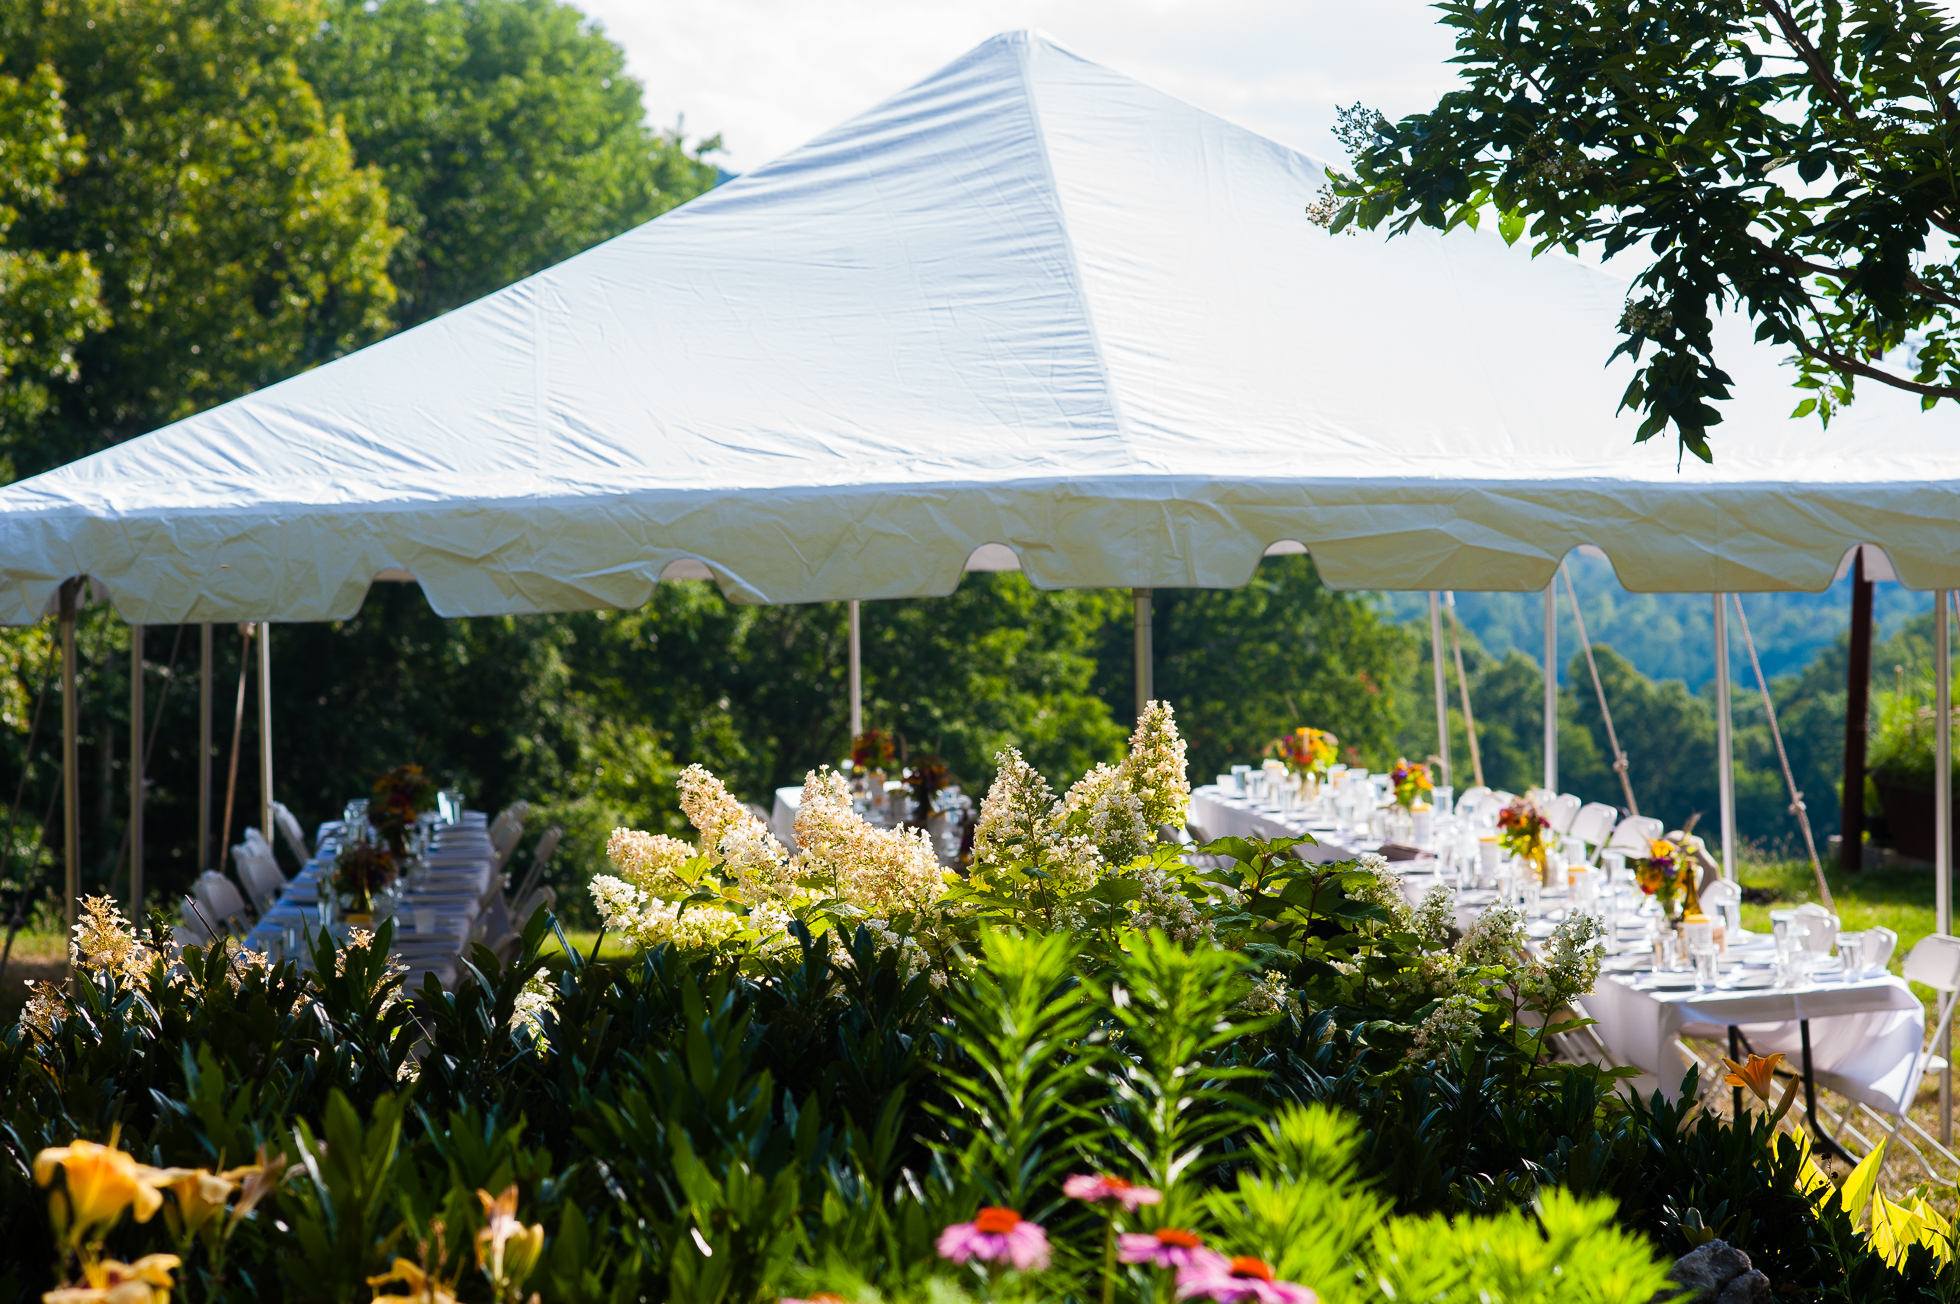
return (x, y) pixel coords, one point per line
(1794, 161)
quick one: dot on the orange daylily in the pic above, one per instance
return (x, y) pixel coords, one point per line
(102, 1182)
(422, 1288)
(1758, 1075)
(146, 1281)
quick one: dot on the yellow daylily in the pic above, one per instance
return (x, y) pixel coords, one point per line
(146, 1281)
(102, 1182)
(422, 1288)
(201, 1195)
(506, 1249)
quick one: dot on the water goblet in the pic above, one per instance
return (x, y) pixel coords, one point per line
(1851, 950)
(1705, 958)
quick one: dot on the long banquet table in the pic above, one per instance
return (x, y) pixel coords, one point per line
(447, 894)
(1851, 1035)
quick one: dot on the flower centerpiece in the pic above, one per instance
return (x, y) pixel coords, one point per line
(1305, 751)
(871, 753)
(1523, 830)
(927, 777)
(399, 796)
(1412, 783)
(1671, 874)
(359, 871)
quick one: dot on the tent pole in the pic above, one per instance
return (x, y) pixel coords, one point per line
(1442, 684)
(1857, 720)
(265, 729)
(204, 748)
(857, 675)
(1551, 685)
(71, 812)
(1463, 686)
(237, 738)
(1724, 739)
(136, 773)
(1145, 688)
(1943, 816)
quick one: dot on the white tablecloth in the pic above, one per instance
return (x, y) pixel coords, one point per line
(1859, 1031)
(1226, 816)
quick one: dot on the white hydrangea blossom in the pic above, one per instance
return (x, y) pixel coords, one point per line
(1495, 939)
(1154, 769)
(1385, 890)
(1163, 907)
(1570, 966)
(1014, 813)
(1435, 917)
(1270, 995)
(649, 861)
(881, 871)
(1103, 803)
(1449, 1025)
(648, 920)
(529, 1008)
(739, 842)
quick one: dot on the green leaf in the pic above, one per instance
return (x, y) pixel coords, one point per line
(1511, 225)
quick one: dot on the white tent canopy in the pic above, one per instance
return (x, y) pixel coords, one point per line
(1029, 302)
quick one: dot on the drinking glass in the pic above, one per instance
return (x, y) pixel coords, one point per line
(1239, 773)
(1615, 865)
(1667, 952)
(1851, 950)
(1488, 853)
(1707, 971)
(1533, 896)
(1443, 797)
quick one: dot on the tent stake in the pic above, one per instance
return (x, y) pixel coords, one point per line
(1943, 818)
(1442, 685)
(1145, 688)
(136, 768)
(857, 676)
(204, 748)
(1551, 686)
(71, 814)
(1724, 740)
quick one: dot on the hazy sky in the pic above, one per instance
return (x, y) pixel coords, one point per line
(770, 74)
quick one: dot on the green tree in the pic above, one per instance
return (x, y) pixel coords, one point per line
(509, 133)
(1792, 160)
(48, 302)
(1242, 666)
(236, 239)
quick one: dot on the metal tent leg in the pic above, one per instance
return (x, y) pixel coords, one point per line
(1146, 689)
(857, 674)
(136, 774)
(71, 811)
(1724, 738)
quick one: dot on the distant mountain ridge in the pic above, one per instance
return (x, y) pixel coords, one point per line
(1668, 635)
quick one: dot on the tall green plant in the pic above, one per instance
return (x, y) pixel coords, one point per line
(1020, 1115)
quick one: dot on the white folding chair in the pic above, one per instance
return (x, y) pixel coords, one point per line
(1467, 802)
(1820, 924)
(1880, 942)
(1726, 897)
(1561, 811)
(507, 828)
(287, 825)
(258, 871)
(546, 848)
(1635, 836)
(520, 917)
(1891, 1080)
(221, 902)
(1594, 824)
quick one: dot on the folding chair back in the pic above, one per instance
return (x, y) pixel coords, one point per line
(1822, 925)
(222, 904)
(287, 825)
(197, 923)
(1593, 825)
(1935, 963)
(546, 848)
(1636, 835)
(1561, 811)
(1466, 804)
(1725, 896)
(259, 872)
(1880, 942)
(507, 828)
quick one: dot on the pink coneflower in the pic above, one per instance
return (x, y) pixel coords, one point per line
(1239, 1281)
(1095, 1190)
(1167, 1247)
(996, 1236)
